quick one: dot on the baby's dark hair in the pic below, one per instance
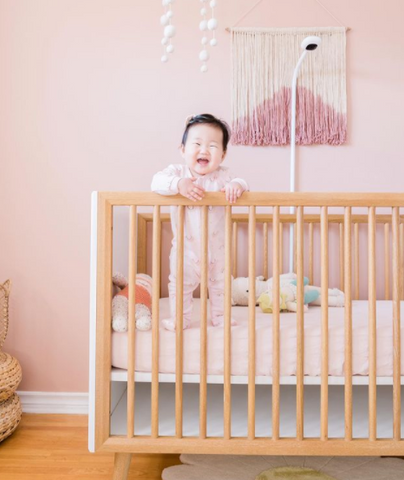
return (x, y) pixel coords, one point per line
(210, 120)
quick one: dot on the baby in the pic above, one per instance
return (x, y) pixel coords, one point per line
(203, 147)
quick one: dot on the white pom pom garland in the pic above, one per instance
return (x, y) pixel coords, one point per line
(169, 31)
(212, 24)
(203, 25)
(204, 56)
(206, 24)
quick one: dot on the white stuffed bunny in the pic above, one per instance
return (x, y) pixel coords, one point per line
(240, 289)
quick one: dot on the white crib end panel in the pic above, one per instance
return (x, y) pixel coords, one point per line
(93, 318)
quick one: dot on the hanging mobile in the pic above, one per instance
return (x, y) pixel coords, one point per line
(169, 29)
(205, 25)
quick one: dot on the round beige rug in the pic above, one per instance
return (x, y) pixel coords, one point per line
(239, 467)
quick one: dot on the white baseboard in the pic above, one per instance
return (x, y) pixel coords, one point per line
(58, 402)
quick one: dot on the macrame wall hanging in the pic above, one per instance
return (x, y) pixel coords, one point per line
(263, 63)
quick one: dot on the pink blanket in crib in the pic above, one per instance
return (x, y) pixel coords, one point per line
(239, 343)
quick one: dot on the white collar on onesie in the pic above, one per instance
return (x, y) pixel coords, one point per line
(209, 177)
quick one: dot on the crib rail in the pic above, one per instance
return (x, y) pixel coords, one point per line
(347, 251)
(311, 222)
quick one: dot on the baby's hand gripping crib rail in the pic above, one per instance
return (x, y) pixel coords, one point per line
(103, 203)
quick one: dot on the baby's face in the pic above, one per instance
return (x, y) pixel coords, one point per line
(203, 151)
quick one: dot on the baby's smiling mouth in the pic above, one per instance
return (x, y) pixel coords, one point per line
(203, 161)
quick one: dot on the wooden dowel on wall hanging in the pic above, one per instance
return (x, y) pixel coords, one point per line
(229, 29)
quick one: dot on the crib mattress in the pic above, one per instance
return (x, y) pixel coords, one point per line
(239, 343)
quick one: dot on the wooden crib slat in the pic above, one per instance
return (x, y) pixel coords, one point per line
(341, 256)
(275, 326)
(311, 254)
(280, 246)
(251, 323)
(386, 262)
(295, 247)
(324, 322)
(348, 321)
(401, 260)
(227, 327)
(235, 249)
(179, 323)
(203, 330)
(265, 241)
(300, 328)
(142, 244)
(356, 265)
(372, 322)
(156, 254)
(396, 326)
(130, 417)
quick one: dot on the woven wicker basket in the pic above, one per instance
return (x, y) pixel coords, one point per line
(10, 376)
(4, 302)
(10, 373)
(10, 416)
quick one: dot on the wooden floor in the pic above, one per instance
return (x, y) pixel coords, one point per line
(55, 447)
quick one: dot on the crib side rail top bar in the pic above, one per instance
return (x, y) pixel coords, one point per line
(288, 218)
(249, 199)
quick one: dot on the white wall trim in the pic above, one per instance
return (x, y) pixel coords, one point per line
(54, 402)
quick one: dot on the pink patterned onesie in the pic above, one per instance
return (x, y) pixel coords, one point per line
(166, 183)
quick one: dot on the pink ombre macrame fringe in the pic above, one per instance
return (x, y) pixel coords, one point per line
(316, 122)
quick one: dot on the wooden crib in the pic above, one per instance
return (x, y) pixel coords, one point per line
(270, 217)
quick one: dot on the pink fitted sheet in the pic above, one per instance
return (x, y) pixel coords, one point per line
(239, 343)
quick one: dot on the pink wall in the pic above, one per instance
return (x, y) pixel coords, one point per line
(86, 105)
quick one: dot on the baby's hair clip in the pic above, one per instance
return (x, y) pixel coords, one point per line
(188, 119)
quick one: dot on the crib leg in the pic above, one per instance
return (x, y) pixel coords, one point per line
(121, 466)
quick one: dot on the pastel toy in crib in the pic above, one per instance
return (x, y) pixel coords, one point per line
(336, 297)
(240, 289)
(143, 299)
(288, 296)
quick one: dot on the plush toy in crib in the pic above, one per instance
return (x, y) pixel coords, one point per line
(120, 312)
(336, 298)
(240, 288)
(288, 296)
